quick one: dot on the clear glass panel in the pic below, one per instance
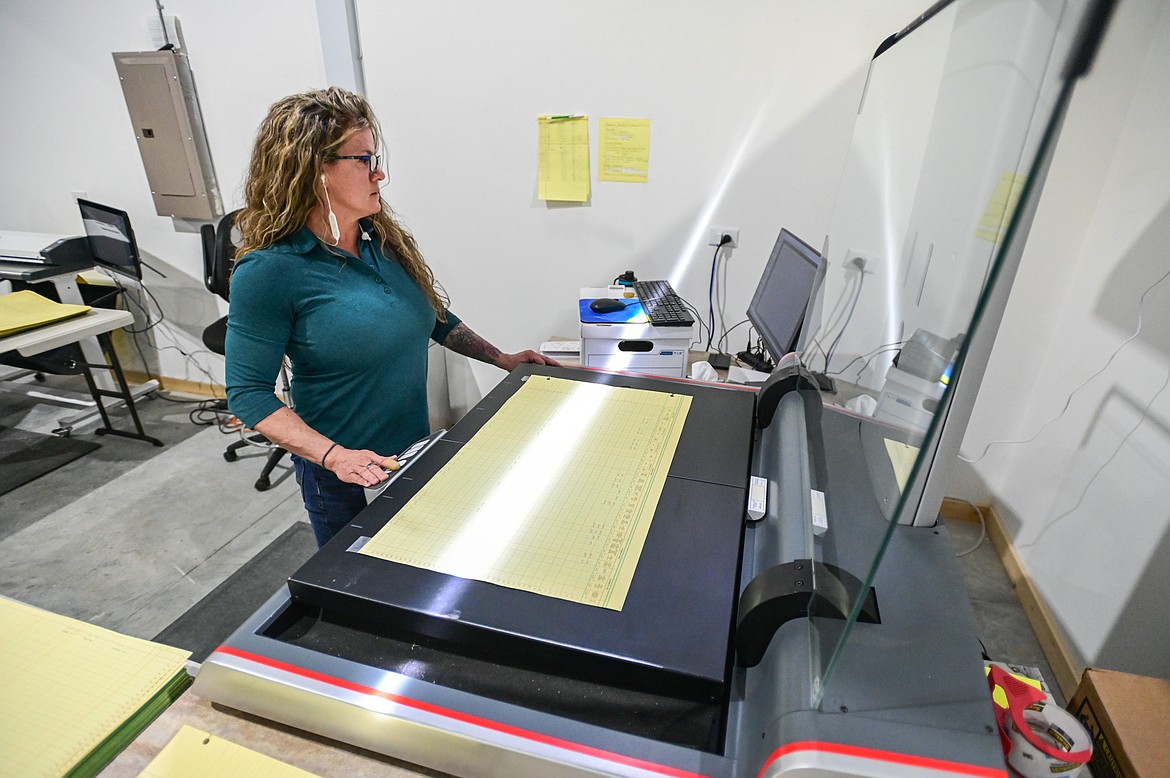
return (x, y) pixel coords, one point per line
(953, 119)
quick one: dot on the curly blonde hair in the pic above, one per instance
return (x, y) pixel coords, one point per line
(300, 133)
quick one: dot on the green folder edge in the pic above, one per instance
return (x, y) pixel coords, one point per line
(114, 743)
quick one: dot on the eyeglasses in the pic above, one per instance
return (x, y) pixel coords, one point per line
(373, 160)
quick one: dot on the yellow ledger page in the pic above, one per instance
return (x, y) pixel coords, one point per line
(554, 495)
(193, 753)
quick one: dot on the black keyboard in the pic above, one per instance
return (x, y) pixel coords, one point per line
(662, 305)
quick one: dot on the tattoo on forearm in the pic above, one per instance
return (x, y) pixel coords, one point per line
(463, 341)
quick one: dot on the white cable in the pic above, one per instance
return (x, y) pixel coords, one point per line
(1068, 402)
(840, 307)
(982, 528)
(1089, 483)
(852, 308)
(823, 325)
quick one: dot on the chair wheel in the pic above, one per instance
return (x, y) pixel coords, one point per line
(230, 456)
(262, 484)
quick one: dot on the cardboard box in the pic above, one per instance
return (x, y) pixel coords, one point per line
(1128, 717)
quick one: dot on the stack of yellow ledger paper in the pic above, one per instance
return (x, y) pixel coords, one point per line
(25, 310)
(73, 695)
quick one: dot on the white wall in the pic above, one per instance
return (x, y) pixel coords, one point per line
(66, 128)
(1086, 505)
(751, 107)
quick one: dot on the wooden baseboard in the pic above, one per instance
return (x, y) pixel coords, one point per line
(961, 510)
(196, 388)
(1064, 667)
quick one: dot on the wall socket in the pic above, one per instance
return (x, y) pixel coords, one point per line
(863, 262)
(715, 234)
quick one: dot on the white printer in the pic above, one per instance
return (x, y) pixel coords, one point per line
(624, 339)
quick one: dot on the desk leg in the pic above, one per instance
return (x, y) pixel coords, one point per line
(91, 349)
(123, 394)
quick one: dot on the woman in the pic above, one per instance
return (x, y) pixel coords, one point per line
(327, 276)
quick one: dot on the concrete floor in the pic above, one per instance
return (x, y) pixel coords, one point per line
(130, 536)
(1000, 623)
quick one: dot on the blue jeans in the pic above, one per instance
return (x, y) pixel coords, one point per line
(331, 502)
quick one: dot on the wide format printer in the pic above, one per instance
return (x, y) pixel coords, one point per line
(712, 665)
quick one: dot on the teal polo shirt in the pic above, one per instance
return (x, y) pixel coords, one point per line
(355, 329)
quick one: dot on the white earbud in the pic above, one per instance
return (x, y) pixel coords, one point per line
(334, 230)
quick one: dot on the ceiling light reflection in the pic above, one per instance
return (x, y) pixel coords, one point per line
(507, 509)
(893, 226)
(705, 217)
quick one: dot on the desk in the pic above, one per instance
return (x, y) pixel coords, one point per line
(97, 323)
(63, 277)
(68, 259)
(41, 339)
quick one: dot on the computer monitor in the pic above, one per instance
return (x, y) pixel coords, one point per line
(786, 291)
(111, 238)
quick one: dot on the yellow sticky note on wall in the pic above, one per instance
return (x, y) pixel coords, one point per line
(564, 158)
(1000, 208)
(623, 150)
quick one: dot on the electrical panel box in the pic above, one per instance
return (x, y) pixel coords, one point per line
(168, 125)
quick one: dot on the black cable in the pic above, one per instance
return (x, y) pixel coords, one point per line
(726, 334)
(698, 320)
(191, 360)
(125, 292)
(198, 415)
(146, 312)
(814, 342)
(826, 325)
(869, 357)
(711, 290)
(97, 301)
(162, 395)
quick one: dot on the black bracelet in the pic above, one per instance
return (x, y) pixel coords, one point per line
(328, 451)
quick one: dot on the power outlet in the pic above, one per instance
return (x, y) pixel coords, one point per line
(715, 235)
(863, 262)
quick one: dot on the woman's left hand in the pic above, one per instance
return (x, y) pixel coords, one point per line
(510, 361)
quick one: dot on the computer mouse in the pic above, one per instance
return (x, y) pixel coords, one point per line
(606, 305)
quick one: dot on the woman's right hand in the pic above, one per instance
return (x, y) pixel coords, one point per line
(359, 466)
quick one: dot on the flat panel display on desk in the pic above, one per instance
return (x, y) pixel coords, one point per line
(670, 636)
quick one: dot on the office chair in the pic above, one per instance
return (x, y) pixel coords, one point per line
(219, 254)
